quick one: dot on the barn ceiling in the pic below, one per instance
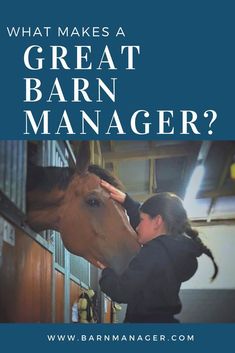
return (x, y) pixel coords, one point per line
(146, 167)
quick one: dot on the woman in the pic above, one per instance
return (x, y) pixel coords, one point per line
(168, 256)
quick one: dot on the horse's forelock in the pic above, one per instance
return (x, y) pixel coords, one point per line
(105, 175)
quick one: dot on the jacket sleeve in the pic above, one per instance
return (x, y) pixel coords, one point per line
(123, 288)
(132, 208)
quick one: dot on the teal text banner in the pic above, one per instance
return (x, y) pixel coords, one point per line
(152, 70)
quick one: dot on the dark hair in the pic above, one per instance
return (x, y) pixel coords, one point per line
(106, 175)
(171, 208)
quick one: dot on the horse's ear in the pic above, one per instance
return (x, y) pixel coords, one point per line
(83, 157)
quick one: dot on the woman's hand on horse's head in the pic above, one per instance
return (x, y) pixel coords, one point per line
(100, 265)
(115, 194)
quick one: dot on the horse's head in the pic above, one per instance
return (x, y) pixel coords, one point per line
(91, 224)
(94, 226)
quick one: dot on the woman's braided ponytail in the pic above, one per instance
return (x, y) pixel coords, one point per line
(193, 233)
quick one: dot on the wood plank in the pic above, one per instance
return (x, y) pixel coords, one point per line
(160, 152)
(25, 276)
(59, 297)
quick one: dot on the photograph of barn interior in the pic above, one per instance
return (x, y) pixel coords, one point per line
(47, 259)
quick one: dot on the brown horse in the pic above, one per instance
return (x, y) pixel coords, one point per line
(72, 202)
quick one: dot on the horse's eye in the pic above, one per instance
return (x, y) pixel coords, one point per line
(92, 202)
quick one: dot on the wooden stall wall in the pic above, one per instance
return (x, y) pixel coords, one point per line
(25, 275)
(35, 280)
(59, 297)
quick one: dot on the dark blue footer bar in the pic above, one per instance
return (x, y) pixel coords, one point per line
(163, 338)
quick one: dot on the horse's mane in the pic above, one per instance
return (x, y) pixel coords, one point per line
(46, 178)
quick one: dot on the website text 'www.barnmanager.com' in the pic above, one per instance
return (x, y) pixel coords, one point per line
(120, 338)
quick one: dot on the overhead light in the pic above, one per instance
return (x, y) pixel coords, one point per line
(194, 185)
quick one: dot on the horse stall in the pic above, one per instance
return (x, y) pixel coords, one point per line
(40, 279)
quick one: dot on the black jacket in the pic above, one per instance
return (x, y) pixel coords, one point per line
(150, 285)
